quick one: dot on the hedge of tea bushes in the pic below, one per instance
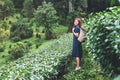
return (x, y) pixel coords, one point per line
(46, 63)
(103, 39)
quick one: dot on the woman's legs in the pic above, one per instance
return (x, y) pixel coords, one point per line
(78, 61)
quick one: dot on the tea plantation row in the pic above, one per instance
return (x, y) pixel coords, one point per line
(45, 64)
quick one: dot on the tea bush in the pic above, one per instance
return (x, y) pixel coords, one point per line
(104, 39)
(90, 69)
(45, 64)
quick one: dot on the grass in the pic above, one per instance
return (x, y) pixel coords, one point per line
(60, 30)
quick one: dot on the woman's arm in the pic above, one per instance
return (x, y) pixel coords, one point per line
(76, 34)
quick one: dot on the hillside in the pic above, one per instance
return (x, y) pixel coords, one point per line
(44, 63)
(53, 61)
(31, 50)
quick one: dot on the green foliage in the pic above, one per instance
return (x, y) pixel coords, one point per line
(20, 30)
(18, 50)
(90, 69)
(95, 5)
(61, 6)
(28, 8)
(18, 3)
(1, 48)
(37, 3)
(6, 8)
(45, 64)
(104, 39)
(60, 30)
(114, 2)
(45, 15)
(72, 15)
(84, 3)
(4, 34)
(4, 25)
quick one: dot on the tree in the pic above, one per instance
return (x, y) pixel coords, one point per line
(18, 4)
(70, 5)
(114, 2)
(37, 3)
(20, 30)
(95, 5)
(61, 6)
(84, 4)
(77, 8)
(6, 8)
(28, 8)
(45, 15)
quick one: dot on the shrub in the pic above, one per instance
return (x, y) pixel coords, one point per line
(16, 39)
(18, 50)
(20, 31)
(104, 39)
(28, 43)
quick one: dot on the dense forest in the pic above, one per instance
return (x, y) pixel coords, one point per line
(36, 39)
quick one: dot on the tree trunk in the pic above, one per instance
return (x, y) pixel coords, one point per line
(70, 22)
(70, 5)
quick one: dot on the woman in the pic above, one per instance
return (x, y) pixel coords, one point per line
(77, 47)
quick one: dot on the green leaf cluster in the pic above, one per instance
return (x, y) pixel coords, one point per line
(6, 8)
(28, 8)
(103, 38)
(45, 15)
(20, 30)
(18, 50)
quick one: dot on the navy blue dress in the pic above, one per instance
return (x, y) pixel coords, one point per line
(77, 47)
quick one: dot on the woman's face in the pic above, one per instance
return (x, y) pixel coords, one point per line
(76, 22)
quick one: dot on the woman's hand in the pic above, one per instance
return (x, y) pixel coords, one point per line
(76, 34)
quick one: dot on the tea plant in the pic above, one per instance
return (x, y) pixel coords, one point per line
(45, 64)
(104, 39)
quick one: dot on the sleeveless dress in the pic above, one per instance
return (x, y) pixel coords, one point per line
(77, 47)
